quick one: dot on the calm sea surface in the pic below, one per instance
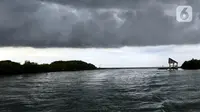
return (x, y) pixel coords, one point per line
(102, 90)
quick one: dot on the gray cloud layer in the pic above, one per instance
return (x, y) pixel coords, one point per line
(95, 23)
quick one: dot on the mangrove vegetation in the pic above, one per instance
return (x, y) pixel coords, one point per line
(9, 67)
(191, 64)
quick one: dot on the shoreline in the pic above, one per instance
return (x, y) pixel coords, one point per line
(8, 67)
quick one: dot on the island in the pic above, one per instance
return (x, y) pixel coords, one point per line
(191, 64)
(8, 67)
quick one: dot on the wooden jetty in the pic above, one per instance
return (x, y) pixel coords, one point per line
(173, 65)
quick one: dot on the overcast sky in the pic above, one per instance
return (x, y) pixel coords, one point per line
(104, 32)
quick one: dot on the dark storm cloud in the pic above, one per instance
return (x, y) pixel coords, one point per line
(95, 23)
(99, 3)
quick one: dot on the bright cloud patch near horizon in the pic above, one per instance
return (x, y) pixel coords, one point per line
(110, 57)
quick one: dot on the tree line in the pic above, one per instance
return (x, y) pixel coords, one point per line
(191, 64)
(9, 67)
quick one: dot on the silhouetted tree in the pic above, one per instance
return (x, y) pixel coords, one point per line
(191, 64)
(9, 67)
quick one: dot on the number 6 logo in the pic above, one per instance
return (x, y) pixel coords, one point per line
(184, 14)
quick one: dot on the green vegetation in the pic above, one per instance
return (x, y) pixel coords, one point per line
(191, 64)
(8, 67)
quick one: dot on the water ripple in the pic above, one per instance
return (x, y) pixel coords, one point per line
(102, 90)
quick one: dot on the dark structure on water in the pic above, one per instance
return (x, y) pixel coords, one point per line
(173, 65)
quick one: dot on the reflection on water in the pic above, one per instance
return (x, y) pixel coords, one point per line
(102, 90)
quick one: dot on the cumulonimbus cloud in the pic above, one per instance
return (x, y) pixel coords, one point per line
(86, 23)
